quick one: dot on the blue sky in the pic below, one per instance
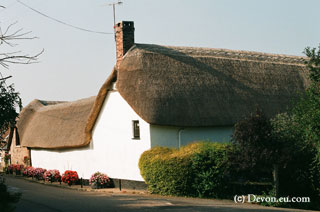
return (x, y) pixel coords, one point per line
(76, 63)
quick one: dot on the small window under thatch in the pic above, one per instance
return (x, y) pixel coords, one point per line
(136, 129)
(17, 137)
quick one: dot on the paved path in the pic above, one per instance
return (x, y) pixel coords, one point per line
(38, 197)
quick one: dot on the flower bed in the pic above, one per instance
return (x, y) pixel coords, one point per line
(17, 168)
(29, 171)
(10, 169)
(70, 177)
(52, 175)
(38, 173)
(99, 180)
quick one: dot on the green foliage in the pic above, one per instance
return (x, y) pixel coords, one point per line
(307, 116)
(299, 174)
(7, 157)
(193, 170)
(209, 167)
(307, 110)
(299, 130)
(9, 100)
(313, 63)
(259, 143)
(166, 171)
(254, 149)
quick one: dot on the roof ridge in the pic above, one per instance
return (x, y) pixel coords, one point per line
(218, 52)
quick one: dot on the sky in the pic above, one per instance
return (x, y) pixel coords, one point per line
(75, 63)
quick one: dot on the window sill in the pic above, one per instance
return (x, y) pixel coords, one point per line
(136, 138)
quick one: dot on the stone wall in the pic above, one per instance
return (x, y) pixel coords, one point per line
(17, 151)
(2, 164)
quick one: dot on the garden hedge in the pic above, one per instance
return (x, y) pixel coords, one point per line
(197, 169)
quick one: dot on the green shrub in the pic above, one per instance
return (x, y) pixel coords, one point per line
(193, 170)
(255, 150)
(209, 166)
(166, 171)
(300, 173)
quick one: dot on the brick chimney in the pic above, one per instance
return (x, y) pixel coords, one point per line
(124, 32)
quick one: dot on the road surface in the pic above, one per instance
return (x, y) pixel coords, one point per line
(38, 197)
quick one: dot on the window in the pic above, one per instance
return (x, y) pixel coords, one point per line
(17, 137)
(136, 129)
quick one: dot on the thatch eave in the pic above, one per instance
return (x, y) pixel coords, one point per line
(98, 104)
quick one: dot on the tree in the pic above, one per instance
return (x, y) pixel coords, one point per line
(289, 143)
(7, 37)
(299, 129)
(9, 99)
(256, 153)
(252, 138)
(313, 64)
(307, 110)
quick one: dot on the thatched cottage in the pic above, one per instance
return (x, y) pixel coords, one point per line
(157, 96)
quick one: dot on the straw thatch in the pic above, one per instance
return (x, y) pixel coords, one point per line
(45, 124)
(175, 86)
(184, 86)
(97, 106)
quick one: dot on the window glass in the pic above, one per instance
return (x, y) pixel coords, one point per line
(136, 129)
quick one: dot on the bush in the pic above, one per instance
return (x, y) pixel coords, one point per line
(52, 175)
(209, 167)
(70, 177)
(17, 168)
(38, 173)
(254, 149)
(167, 171)
(100, 180)
(193, 170)
(29, 172)
(10, 169)
(300, 174)
(7, 157)
(259, 143)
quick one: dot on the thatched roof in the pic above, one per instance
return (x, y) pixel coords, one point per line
(175, 86)
(48, 124)
(184, 86)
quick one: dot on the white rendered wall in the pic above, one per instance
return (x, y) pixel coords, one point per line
(76, 160)
(113, 136)
(112, 151)
(179, 136)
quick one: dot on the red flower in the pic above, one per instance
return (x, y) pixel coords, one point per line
(70, 177)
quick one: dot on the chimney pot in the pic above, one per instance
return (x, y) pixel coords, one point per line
(124, 32)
